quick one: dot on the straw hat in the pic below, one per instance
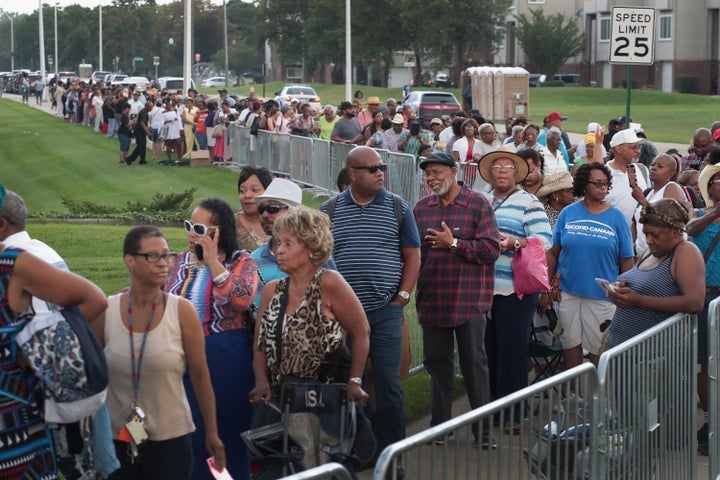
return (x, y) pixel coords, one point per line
(521, 166)
(706, 175)
(554, 183)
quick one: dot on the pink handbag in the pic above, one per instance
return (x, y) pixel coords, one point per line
(530, 270)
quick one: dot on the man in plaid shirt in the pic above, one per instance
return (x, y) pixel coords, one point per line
(460, 243)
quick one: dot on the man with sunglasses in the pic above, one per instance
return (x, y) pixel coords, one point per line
(377, 250)
(280, 195)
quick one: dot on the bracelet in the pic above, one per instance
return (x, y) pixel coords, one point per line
(221, 278)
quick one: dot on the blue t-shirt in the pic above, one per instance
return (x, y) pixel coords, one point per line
(591, 246)
(703, 241)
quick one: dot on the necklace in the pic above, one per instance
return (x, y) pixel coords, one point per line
(365, 204)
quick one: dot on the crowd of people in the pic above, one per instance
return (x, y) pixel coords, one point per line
(342, 279)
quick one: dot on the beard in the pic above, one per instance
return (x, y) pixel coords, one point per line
(350, 115)
(444, 187)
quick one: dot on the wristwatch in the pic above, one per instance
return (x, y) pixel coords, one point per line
(404, 294)
(357, 380)
(516, 245)
(453, 246)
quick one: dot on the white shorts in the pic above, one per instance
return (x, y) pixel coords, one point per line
(580, 318)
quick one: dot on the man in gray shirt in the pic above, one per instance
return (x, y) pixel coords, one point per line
(347, 128)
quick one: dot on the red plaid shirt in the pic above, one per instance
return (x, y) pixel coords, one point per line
(452, 287)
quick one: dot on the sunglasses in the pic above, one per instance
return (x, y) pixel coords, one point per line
(372, 168)
(197, 228)
(271, 209)
(503, 168)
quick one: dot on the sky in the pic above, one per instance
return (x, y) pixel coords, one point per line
(28, 6)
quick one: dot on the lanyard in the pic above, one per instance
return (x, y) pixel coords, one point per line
(136, 372)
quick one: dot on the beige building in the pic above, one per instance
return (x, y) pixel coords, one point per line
(687, 42)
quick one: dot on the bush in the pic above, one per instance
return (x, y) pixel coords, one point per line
(553, 83)
(687, 83)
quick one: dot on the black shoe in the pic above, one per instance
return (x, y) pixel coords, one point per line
(128, 161)
(703, 449)
(487, 443)
(399, 473)
(702, 434)
(143, 162)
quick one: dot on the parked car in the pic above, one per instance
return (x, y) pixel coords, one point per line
(99, 76)
(141, 83)
(431, 104)
(536, 79)
(301, 93)
(174, 84)
(442, 80)
(569, 79)
(217, 82)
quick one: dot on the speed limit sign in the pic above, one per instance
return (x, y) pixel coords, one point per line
(632, 40)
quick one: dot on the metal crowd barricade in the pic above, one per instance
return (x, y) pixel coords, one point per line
(552, 440)
(327, 471)
(714, 385)
(649, 404)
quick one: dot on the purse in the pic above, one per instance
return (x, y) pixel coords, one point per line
(217, 131)
(530, 270)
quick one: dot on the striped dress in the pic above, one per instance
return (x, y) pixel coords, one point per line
(656, 282)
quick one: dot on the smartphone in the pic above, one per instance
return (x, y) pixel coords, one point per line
(605, 284)
(219, 475)
(414, 129)
(198, 248)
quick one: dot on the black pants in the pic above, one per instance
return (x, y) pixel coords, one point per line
(140, 148)
(163, 460)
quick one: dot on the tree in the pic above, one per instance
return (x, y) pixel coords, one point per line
(548, 41)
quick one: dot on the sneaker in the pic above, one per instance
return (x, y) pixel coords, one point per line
(443, 440)
(487, 443)
(703, 449)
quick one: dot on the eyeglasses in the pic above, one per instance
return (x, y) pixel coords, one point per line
(153, 257)
(714, 182)
(487, 133)
(271, 209)
(372, 168)
(503, 168)
(600, 184)
(435, 173)
(197, 228)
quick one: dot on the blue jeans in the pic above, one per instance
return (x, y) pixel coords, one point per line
(112, 127)
(202, 140)
(385, 352)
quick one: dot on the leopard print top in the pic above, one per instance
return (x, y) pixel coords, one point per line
(308, 334)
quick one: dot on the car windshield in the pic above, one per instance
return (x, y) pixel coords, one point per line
(174, 84)
(300, 91)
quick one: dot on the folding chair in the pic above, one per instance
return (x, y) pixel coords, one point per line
(545, 348)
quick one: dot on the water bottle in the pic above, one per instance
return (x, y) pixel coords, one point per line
(550, 431)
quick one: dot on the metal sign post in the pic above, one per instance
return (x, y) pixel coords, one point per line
(632, 42)
(156, 62)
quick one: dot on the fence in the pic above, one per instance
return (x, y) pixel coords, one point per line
(634, 417)
(649, 386)
(714, 385)
(328, 471)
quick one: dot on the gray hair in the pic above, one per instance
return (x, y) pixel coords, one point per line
(517, 129)
(14, 210)
(486, 125)
(552, 131)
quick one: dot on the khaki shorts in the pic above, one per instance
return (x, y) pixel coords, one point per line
(580, 318)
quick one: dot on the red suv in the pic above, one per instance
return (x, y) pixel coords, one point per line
(431, 104)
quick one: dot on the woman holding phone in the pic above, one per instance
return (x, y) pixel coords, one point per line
(220, 280)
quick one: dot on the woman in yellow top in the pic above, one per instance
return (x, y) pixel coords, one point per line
(188, 118)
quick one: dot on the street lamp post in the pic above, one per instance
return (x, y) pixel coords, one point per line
(100, 42)
(56, 59)
(12, 42)
(227, 72)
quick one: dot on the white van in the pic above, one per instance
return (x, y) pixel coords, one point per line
(174, 84)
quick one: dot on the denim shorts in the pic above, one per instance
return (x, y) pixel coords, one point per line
(124, 142)
(155, 134)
